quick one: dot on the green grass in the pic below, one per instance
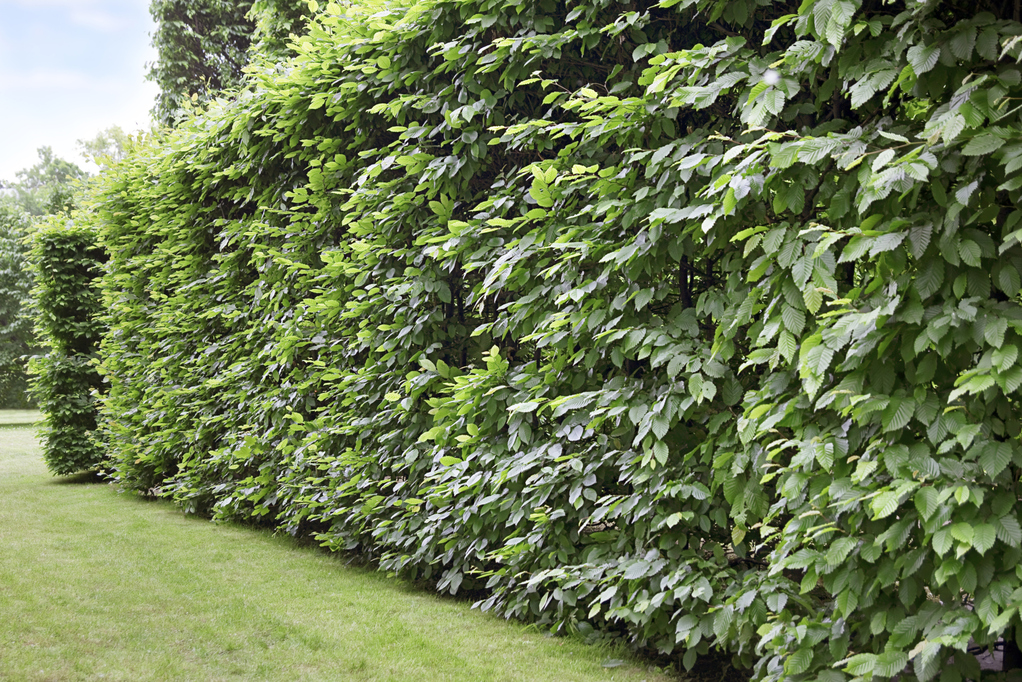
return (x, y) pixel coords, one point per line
(20, 417)
(97, 585)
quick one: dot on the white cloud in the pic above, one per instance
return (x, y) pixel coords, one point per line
(60, 121)
(113, 6)
(35, 4)
(48, 80)
(97, 20)
(65, 77)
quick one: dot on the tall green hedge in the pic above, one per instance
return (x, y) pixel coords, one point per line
(67, 261)
(16, 339)
(697, 321)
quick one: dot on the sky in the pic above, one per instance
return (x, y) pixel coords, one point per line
(68, 70)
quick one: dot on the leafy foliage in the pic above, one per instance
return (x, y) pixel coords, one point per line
(67, 260)
(16, 339)
(203, 46)
(107, 147)
(697, 320)
(49, 187)
(276, 21)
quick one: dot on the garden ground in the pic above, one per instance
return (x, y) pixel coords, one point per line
(97, 585)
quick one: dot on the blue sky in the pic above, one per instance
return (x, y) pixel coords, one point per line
(69, 69)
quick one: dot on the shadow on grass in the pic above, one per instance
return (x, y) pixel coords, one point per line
(82, 478)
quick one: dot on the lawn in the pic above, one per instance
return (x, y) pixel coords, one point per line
(20, 417)
(100, 585)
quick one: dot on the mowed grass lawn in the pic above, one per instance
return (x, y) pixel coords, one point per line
(20, 417)
(100, 585)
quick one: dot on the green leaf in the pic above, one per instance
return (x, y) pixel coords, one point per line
(676, 365)
(794, 319)
(994, 458)
(1009, 380)
(927, 501)
(748, 232)
(922, 58)
(982, 144)
(787, 345)
(643, 298)
(540, 193)
(926, 660)
(1004, 357)
(1008, 531)
(882, 159)
(964, 41)
(855, 249)
(890, 663)
(661, 452)
(942, 541)
(898, 413)
(802, 270)
(841, 14)
(952, 128)
(685, 625)
(799, 662)
(962, 532)
(983, 537)
(661, 424)
(732, 391)
(885, 504)
(861, 664)
(1008, 280)
(970, 252)
(994, 331)
(840, 549)
(813, 298)
(637, 569)
(847, 601)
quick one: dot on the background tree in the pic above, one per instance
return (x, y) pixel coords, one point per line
(275, 21)
(47, 187)
(203, 47)
(107, 147)
(16, 338)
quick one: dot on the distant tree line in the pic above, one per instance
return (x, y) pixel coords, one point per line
(203, 48)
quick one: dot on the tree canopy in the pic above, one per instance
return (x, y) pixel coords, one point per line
(48, 187)
(16, 338)
(203, 46)
(107, 147)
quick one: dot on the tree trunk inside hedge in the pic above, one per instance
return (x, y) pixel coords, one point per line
(1012, 653)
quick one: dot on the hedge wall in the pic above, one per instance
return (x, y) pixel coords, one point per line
(694, 320)
(16, 340)
(67, 260)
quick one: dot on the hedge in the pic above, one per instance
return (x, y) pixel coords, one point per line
(67, 260)
(696, 321)
(16, 341)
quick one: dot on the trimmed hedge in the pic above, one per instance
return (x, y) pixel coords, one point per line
(16, 340)
(67, 260)
(698, 321)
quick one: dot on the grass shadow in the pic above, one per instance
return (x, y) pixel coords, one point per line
(82, 478)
